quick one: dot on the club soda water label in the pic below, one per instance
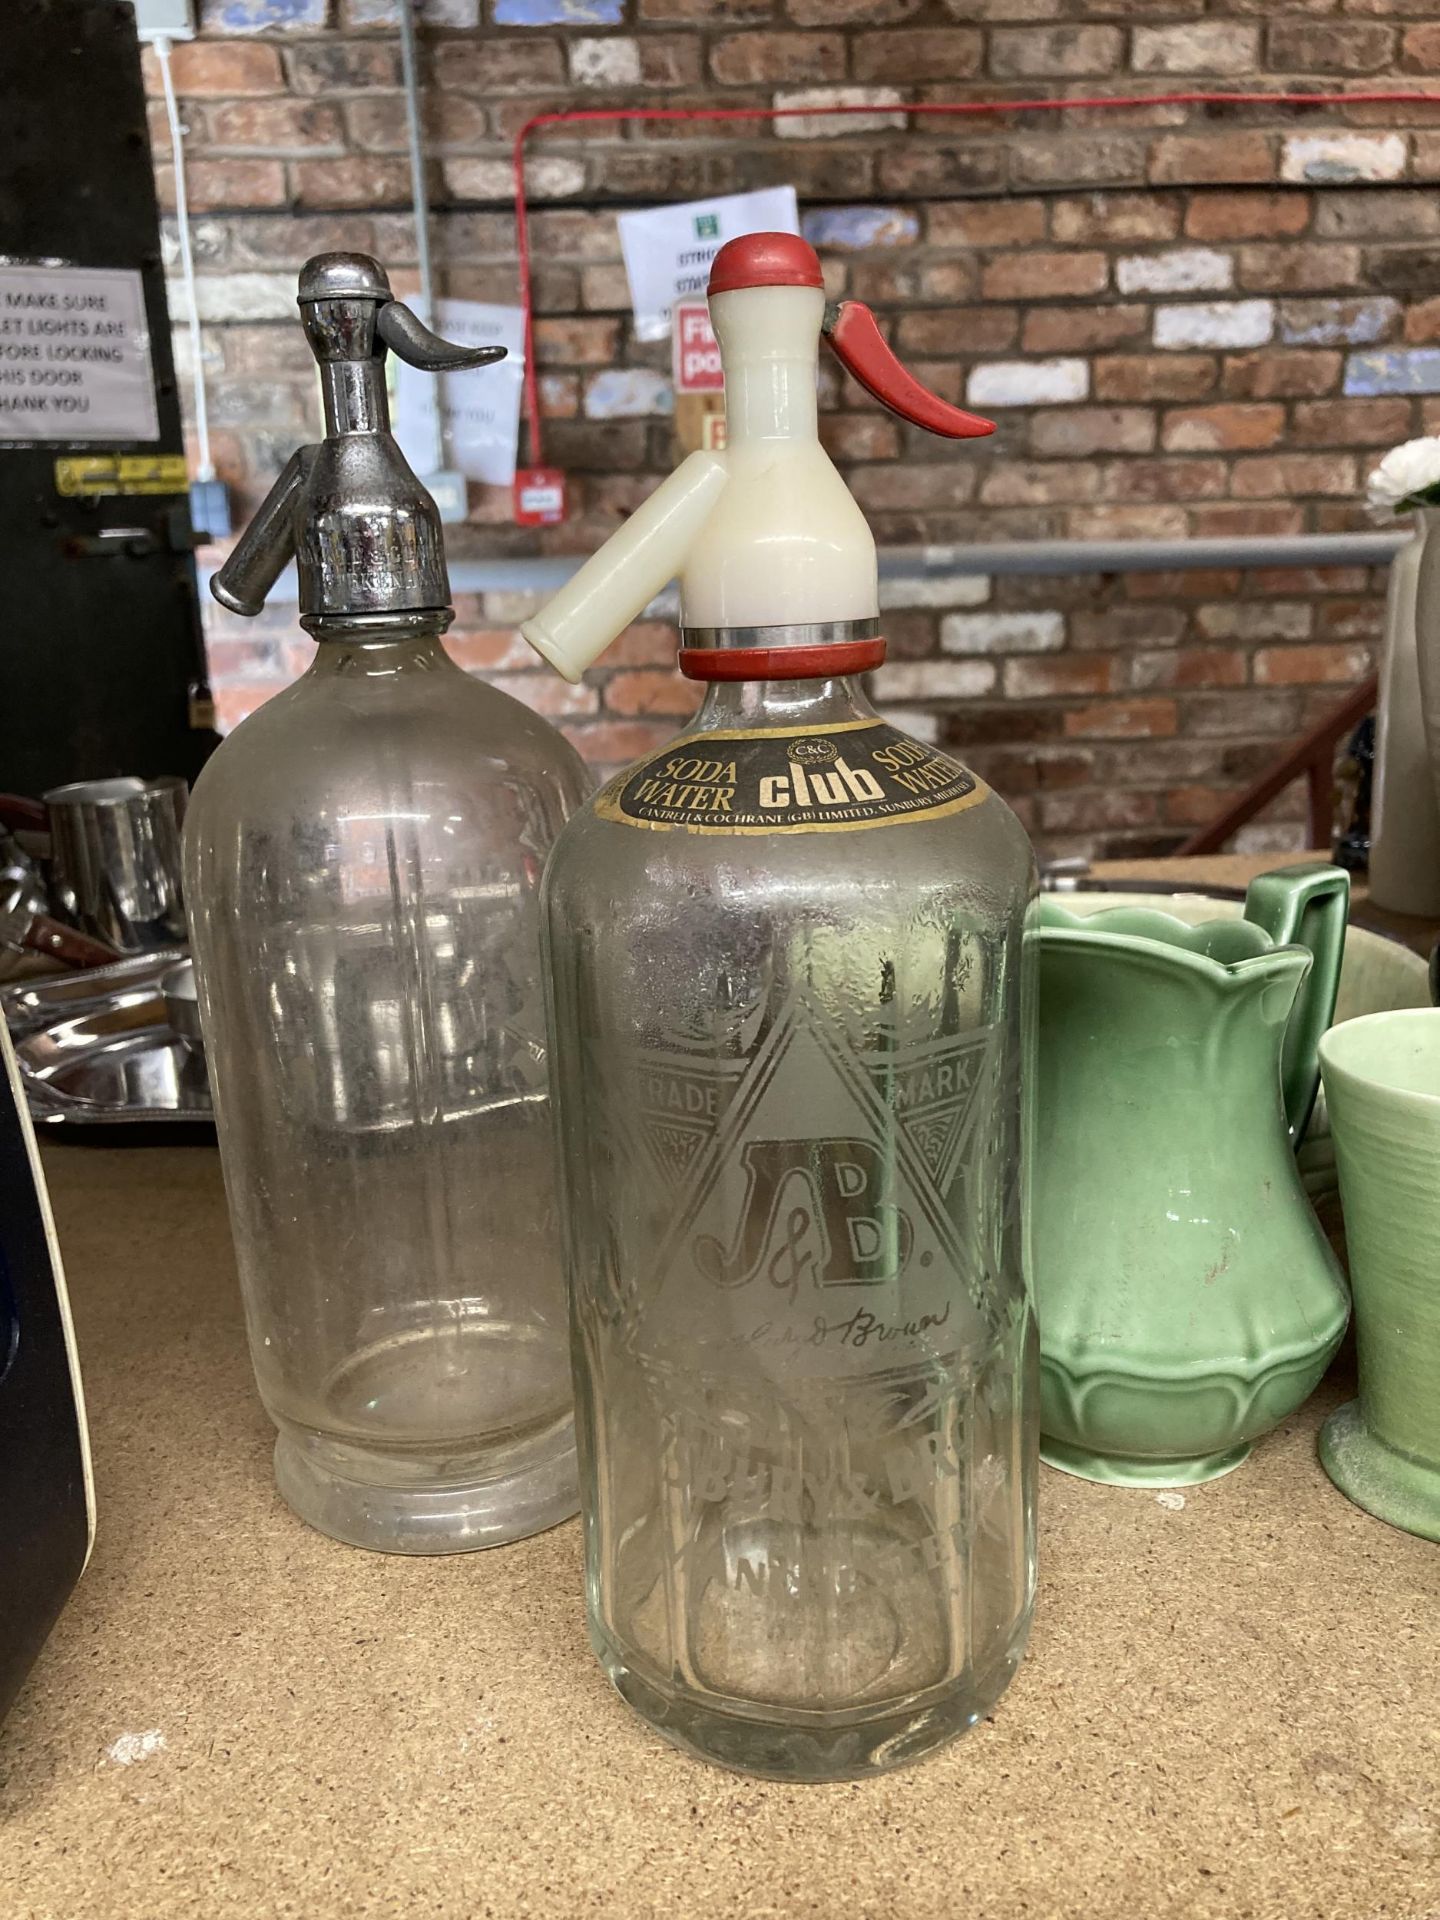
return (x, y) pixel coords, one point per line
(859, 773)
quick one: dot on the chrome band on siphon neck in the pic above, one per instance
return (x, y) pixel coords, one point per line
(805, 633)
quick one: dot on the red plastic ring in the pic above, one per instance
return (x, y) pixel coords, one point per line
(826, 662)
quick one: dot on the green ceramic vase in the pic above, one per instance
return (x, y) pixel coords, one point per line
(1382, 1088)
(1188, 1300)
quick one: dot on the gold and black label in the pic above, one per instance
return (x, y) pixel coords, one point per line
(857, 773)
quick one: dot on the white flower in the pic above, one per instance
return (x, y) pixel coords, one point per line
(1408, 476)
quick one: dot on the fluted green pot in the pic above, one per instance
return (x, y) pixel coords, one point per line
(1188, 1300)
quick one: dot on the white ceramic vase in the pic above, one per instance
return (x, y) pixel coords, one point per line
(1405, 811)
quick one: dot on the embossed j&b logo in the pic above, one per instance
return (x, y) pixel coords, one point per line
(826, 1204)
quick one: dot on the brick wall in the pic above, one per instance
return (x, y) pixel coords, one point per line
(1186, 321)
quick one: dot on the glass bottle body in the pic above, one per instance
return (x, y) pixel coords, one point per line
(362, 870)
(788, 1089)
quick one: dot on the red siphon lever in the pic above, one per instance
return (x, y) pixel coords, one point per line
(854, 333)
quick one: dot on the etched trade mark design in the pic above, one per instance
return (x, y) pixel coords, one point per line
(814, 1247)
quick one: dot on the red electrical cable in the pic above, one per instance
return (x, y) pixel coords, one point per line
(1097, 102)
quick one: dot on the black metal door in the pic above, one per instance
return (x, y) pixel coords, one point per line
(100, 636)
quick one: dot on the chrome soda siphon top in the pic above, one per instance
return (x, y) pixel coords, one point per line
(363, 530)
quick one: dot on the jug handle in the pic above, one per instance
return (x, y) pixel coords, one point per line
(1306, 906)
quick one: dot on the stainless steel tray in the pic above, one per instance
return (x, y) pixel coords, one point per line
(97, 1048)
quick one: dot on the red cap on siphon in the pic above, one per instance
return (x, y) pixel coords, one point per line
(765, 260)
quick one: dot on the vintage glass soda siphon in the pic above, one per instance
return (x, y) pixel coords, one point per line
(789, 1007)
(363, 859)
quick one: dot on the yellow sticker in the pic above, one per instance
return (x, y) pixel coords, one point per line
(98, 473)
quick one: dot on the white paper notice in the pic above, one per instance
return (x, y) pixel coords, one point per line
(74, 355)
(668, 251)
(480, 409)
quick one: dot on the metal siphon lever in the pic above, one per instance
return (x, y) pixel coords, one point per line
(406, 333)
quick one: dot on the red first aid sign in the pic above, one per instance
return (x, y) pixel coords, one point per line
(696, 351)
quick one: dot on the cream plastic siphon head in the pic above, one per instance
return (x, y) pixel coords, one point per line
(767, 533)
(787, 543)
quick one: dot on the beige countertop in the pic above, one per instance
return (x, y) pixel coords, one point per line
(1238, 869)
(1230, 1707)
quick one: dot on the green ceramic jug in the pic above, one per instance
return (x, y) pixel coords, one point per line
(1187, 1297)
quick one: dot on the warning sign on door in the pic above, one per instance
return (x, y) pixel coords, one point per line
(74, 355)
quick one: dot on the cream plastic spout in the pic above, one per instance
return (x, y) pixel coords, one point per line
(576, 627)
